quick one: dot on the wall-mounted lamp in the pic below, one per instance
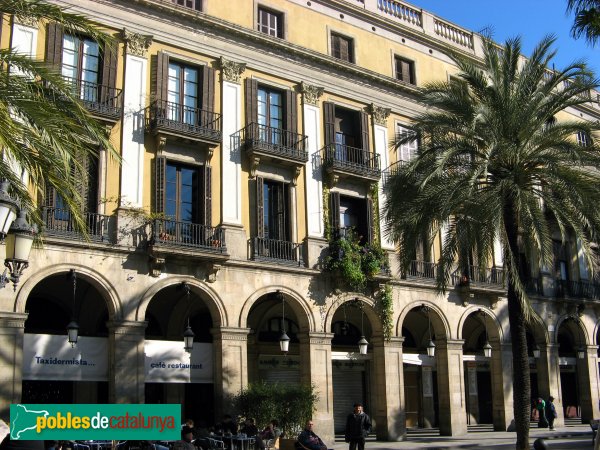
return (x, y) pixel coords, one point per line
(284, 339)
(430, 345)
(73, 326)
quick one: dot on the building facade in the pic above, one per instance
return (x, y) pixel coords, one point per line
(252, 134)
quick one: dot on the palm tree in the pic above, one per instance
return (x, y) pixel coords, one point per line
(494, 163)
(587, 19)
(44, 130)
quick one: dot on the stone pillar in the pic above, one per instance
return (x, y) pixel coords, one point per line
(587, 374)
(548, 373)
(472, 393)
(12, 327)
(428, 400)
(134, 120)
(316, 368)
(502, 393)
(451, 387)
(312, 126)
(230, 366)
(388, 373)
(126, 358)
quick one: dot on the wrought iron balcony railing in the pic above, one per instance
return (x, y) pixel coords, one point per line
(58, 222)
(339, 157)
(391, 170)
(178, 119)
(101, 99)
(172, 233)
(422, 269)
(474, 275)
(274, 141)
(285, 252)
(576, 289)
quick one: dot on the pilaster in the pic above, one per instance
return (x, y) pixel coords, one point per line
(127, 368)
(587, 374)
(548, 373)
(231, 365)
(388, 370)
(502, 396)
(316, 368)
(451, 387)
(12, 327)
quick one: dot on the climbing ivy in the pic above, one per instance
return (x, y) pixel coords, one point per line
(386, 311)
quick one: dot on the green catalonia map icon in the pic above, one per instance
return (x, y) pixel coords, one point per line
(22, 420)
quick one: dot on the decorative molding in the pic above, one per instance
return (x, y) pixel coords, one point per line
(379, 114)
(157, 266)
(230, 70)
(231, 334)
(212, 271)
(310, 93)
(128, 327)
(254, 163)
(295, 175)
(27, 21)
(161, 143)
(12, 320)
(136, 44)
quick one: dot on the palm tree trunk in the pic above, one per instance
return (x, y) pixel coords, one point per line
(518, 328)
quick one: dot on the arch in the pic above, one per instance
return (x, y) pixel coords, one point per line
(299, 305)
(214, 303)
(580, 325)
(107, 291)
(439, 321)
(538, 329)
(495, 332)
(372, 316)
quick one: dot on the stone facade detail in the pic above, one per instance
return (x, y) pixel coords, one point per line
(379, 114)
(230, 70)
(310, 93)
(137, 44)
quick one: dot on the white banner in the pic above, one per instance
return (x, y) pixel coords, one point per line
(51, 357)
(168, 362)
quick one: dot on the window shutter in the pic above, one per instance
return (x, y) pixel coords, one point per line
(160, 174)
(329, 118)
(207, 195)
(364, 131)
(160, 76)
(80, 172)
(251, 101)
(50, 196)
(291, 113)
(260, 209)
(344, 49)
(405, 68)
(54, 44)
(109, 67)
(334, 211)
(207, 100)
(335, 46)
(281, 213)
(370, 224)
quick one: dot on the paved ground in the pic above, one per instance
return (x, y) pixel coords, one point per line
(571, 437)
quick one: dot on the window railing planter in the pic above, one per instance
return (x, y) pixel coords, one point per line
(191, 122)
(58, 222)
(274, 141)
(339, 157)
(274, 250)
(172, 233)
(101, 99)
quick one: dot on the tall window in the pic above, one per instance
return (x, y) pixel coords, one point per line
(270, 115)
(275, 210)
(80, 63)
(406, 151)
(270, 22)
(183, 93)
(405, 70)
(192, 4)
(583, 139)
(342, 47)
(181, 193)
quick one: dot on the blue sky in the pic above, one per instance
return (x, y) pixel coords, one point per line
(532, 19)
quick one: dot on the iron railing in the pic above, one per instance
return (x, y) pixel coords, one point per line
(277, 251)
(172, 233)
(391, 170)
(275, 141)
(422, 269)
(493, 277)
(351, 159)
(577, 289)
(58, 222)
(99, 98)
(180, 119)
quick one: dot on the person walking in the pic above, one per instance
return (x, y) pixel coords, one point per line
(541, 407)
(358, 427)
(550, 412)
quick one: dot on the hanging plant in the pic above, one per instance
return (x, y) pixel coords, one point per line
(386, 311)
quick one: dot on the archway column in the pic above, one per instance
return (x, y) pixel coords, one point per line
(451, 387)
(12, 328)
(316, 368)
(230, 365)
(548, 373)
(502, 380)
(388, 372)
(587, 374)
(126, 361)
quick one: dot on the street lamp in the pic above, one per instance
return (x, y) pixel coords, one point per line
(18, 246)
(536, 351)
(8, 208)
(487, 348)
(188, 333)
(363, 344)
(284, 339)
(73, 326)
(430, 345)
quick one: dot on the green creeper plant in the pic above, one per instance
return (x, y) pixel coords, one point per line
(386, 311)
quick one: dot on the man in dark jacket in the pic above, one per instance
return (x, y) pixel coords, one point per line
(358, 427)
(550, 412)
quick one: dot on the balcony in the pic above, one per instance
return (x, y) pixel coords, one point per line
(391, 170)
(102, 101)
(184, 122)
(192, 239)
(576, 289)
(422, 270)
(343, 160)
(58, 223)
(276, 251)
(273, 143)
(474, 276)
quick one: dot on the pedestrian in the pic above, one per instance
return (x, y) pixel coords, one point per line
(541, 407)
(358, 427)
(550, 412)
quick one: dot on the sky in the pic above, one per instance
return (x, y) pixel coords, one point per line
(531, 19)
